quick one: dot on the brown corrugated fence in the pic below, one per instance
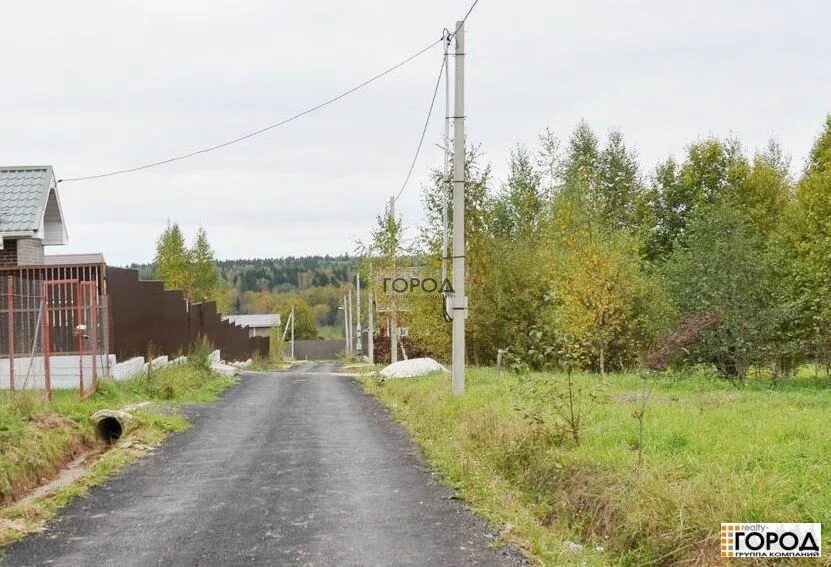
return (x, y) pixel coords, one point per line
(147, 319)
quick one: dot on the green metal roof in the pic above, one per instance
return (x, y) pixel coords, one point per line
(24, 193)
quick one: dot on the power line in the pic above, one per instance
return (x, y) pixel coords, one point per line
(424, 129)
(446, 37)
(261, 130)
(472, 6)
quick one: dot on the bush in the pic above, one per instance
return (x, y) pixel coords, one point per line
(200, 353)
(174, 381)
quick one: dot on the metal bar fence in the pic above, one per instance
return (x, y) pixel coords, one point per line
(53, 333)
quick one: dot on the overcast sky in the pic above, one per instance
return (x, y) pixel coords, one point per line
(94, 86)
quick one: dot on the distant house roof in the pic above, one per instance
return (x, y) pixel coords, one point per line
(73, 259)
(28, 200)
(257, 321)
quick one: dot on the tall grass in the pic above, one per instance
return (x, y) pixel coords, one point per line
(711, 453)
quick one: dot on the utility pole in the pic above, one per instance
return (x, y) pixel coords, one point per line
(445, 194)
(459, 302)
(370, 339)
(349, 326)
(292, 332)
(393, 304)
(358, 338)
(345, 326)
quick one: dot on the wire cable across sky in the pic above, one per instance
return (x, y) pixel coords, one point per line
(472, 6)
(445, 37)
(323, 104)
(424, 129)
(261, 130)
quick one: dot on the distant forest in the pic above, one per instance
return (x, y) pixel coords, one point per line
(314, 285)
(285, 275)
(279, 275)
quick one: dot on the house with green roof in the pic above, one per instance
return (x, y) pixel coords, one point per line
(30, 214)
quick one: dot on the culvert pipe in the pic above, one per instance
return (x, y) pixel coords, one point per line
(110, 425)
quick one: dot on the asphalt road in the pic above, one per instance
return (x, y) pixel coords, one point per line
(292, 468)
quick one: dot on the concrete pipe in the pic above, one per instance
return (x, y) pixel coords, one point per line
(110, 425)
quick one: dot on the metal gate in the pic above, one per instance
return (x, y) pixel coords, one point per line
(53, 333)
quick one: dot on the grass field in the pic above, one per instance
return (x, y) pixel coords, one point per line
(37, 439)
(711, 452)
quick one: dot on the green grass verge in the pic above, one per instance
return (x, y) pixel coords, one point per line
(37, 438)
(363, 369)
(712, 452)
(268, 365)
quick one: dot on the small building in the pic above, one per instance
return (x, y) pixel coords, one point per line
(257, 325)
(30, 215)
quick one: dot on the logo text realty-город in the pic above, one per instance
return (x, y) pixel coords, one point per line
(771, 540)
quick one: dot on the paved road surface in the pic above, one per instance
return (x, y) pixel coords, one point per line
(293, 468)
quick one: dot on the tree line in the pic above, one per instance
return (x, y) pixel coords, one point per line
(255, 285)
(580, 259)
(312, 285)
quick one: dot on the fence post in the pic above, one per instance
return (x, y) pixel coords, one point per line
(105, 324)
(93, 316)
(79, 332)
(10, 307)
(47, 370)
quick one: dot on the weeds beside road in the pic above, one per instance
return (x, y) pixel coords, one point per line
(38, 439)
(711, 453)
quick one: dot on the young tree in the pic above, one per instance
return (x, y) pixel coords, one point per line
(710, 173)
(764, 191)
(205, 272)
(519, 207)
(601, 304)
(305, 323)
(581, 162)
(550, 164)
(510, 287)
(173, 261)
(721, 271)
(619, 191)
(425, 315)
(805, 248)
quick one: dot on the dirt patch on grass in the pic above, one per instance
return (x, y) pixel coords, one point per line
(49, 421)
(65, 477)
